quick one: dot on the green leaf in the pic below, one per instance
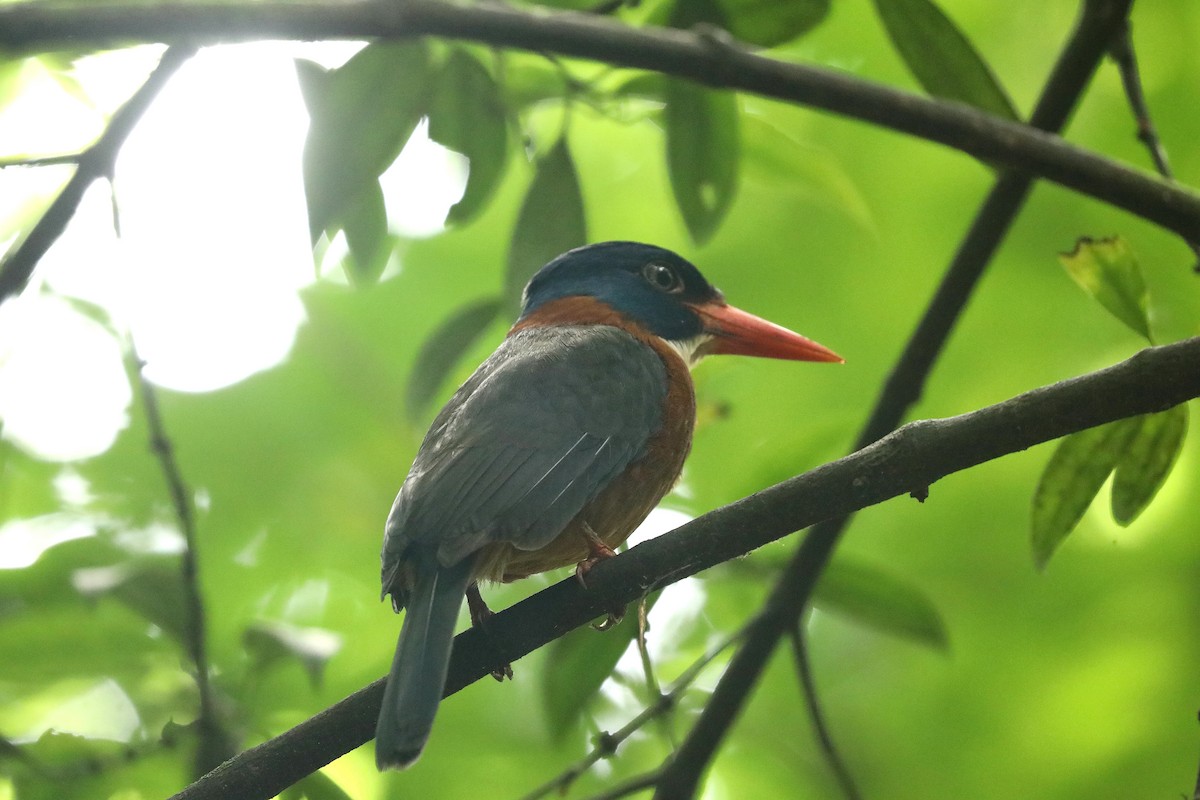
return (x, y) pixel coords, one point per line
(702, 153)
(882, 601)
(269, 643)
(941, 58)
(444, 347)
(319, 786)
(1075, 473)
(551, 220)
(1147, 461)
(780, 159)
(362, 114)
(768, 23)
(366, 228)
(468, 116)
(576, 667)
(151, 588)
(1108, 271)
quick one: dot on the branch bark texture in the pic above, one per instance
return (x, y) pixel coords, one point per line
(909, 460)
(698, 56)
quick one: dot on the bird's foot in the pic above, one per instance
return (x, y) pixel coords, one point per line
(480, 614)
(597, 551)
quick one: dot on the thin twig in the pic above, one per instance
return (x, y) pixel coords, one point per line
(1123, 53)
(94, 163)
(41, 161)
(1098, 23)
(208, 723)
(607, 743)
(694, 56)
(808, 688)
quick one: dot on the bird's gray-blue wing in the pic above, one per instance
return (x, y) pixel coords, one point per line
(540, 428)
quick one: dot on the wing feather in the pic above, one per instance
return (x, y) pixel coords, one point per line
(540, 428)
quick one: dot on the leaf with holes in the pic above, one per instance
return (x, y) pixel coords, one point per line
(1075, 473)
(941, 57)
(880, 600)
(442, 350)
(703, 153)
(1108, 271)
(551, 220)
(1147, 461)
(467, 115)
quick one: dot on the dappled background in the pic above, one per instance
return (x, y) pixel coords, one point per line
(295, 382)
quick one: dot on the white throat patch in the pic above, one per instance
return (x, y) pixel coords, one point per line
(689, 349)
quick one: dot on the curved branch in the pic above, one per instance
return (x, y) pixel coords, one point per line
(908, 460)
(697, 56)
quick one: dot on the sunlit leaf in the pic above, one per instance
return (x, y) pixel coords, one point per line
(941, 57)
(768, 23)
(578, 664)
(1108, 271)
(361, 117)
(319, 786)
(269, 643)
(551, 220)
(445, 346)
(881, 600)
(531, 79)
(1075, 473)
(1147, 461)
(467, 115)
(366, 228)
(702, 153)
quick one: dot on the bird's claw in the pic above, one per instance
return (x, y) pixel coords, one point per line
(613, 618)
(480, 614)
(597, 552)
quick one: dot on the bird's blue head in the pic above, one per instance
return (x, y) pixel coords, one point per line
(666, 295)
(650, 285)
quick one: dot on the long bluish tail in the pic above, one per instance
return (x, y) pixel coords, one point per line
(418, 676)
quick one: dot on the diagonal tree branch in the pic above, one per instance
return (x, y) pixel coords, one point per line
(1099, 23)
(94, 163)
(912, 458)
(703, 57)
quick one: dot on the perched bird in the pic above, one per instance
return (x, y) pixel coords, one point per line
(553, 451)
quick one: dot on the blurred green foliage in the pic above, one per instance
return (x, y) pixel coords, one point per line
(1079, 681)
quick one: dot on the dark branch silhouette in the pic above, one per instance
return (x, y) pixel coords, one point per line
(94, 163)
(912, 458)
(704, 56)
(215, 745)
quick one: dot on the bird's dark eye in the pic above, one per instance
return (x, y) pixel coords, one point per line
(662, 277)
